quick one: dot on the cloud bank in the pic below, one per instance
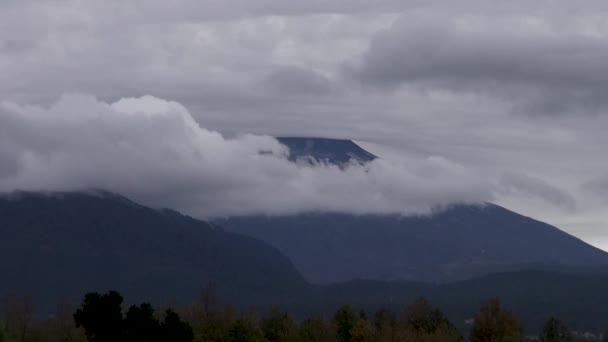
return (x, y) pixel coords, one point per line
(155, 152)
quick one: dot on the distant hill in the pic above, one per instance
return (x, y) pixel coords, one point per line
(580, 301)
(333, 151)
(62, 245)
(458, 243)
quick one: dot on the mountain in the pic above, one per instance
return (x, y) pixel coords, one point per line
(333, 151)
(458, 243)
(61, 245)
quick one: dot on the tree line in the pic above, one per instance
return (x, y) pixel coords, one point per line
(104, 318)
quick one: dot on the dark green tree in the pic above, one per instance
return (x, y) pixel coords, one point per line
(174, 329)
(244, 330)
(555, 331)
(315, 330)
(344, 321)
(424, 322)
(140, 324)
(101, 317)
(102, 320)
(277, 326)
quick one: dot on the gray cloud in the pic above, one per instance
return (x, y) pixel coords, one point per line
(299, 81)
(598, 187)
(194, 10)
(545, 64)
(153, 150)
(520, 184)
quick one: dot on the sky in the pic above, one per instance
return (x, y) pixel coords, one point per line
(169, 103)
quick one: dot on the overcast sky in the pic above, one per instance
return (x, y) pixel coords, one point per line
(483, 101)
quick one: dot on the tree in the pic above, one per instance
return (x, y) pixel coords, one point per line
(423, 322)
(140, 324)
(362, 331)
(174, 329)
(495, 324)
(102, 320)
(244, 330)
(26, 316)
(209, 301)
(344, 319)
(208, 322)
(216, 326)
(277, 326)
(61, 326)
(18, 312)
(555, 331)
(383, 323)
(315, 330)
(101, 317)
(5, 318)
(418, 317)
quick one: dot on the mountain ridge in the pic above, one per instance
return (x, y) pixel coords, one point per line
(70, 243)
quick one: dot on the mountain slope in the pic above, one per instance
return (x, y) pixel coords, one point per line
(458, 243)
(65, 244)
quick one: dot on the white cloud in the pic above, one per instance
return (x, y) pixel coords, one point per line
(154, 151)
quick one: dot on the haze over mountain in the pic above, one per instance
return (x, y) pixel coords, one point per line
(457, 242)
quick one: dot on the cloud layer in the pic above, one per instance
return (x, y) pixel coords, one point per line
(546, 64)
(154, 151)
